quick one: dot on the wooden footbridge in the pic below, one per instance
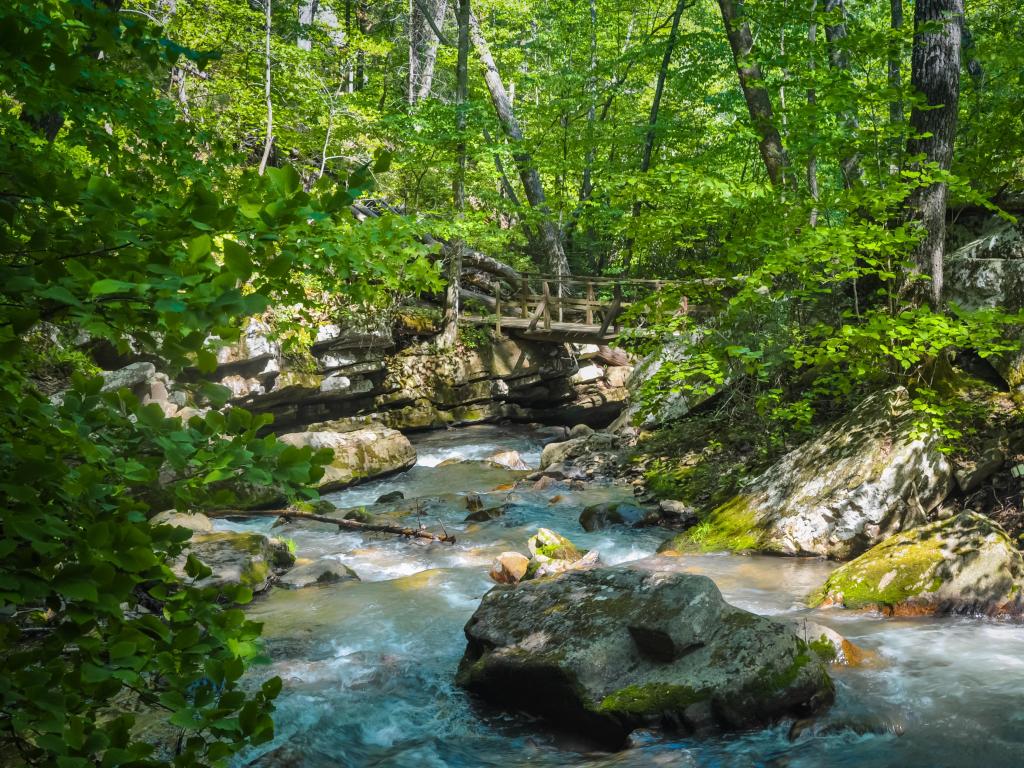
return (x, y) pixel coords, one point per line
(582, 310)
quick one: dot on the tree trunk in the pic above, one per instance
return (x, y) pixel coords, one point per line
(453, 262)
(430, 57)
(266, 92)
(652, 118)
(896, 80)
(759, 104)
(413, 26)
(307, 16)
(839, 59)
(935, 74)
(550, 237)
(812, 102)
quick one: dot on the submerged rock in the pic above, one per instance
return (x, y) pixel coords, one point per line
(248, 559)
(965, 564)
(870, 475)
(598, 516)
(509, 460)
(358, 455)
(608, 650)
(387, 498)
(323, 571)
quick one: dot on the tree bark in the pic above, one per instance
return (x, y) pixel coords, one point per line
(935, 74)
(550, 238)
(430, 57)
(453, 262)
(894, 67)
(652, 118)
(266, 91)
(759, 104)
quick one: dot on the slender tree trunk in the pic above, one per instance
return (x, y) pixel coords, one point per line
(453, 266)
(839, 59)
(759, 104)
(652, 118)
(935, 74)
(412, 90)
(895, 70)
(307, 16)
(430, 57)
(812, 102)
(550, 237)
(266, 92)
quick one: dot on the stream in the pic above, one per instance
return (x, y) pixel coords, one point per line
(368, 666)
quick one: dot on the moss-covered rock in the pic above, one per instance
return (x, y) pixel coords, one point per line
(323, 571)
(607, 650)
(966, 564)
(358, 455)
(871, 474)
(250, 559)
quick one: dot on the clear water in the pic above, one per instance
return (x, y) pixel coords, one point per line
(368, 666)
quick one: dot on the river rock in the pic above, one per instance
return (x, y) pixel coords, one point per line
(248, 559)
(387, 498)
(486, 514)
(965, 565)
(608, 650)
(555, 453)
(358, 455)
(866, 477)
(677, 512)
(508, 459)
(326, 570)
(509, 568)
(598, 516)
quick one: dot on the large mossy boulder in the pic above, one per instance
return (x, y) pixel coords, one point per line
(871, 474)
(608, 650)
(965, 565)
(248, 559)
(359, 455)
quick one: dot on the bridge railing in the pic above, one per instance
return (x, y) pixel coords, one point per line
(594, 302)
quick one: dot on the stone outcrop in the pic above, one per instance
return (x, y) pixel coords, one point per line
(985, 269)
(607, 650)
(358, 455)
(965, 565)
(868, 476)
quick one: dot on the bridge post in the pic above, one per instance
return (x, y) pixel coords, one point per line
(524, 297)
(497, 308)
(547, 306)
(590, 298)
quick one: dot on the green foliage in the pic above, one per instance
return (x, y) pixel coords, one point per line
(119, 222)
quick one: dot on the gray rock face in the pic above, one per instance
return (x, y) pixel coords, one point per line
(358, 455)
(965, 564)
(196, 522)
(865, 478)
(128, 377)
(607, 650)
(323, 571)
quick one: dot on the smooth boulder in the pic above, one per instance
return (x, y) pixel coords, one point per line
(598, 516)
(359, 455)
(607, 650)
(962, 565)
(247, 559)
(326, 570)
(868, 476)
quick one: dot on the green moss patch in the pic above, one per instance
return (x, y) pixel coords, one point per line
(732, 526)
(888, 574)
(652, 698)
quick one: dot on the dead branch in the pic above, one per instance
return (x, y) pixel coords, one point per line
(352, 525)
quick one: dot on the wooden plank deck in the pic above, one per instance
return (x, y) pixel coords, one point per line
(577, 333)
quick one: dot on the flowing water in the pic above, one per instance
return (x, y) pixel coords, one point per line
(369, 666)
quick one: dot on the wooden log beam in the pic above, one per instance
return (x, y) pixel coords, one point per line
(289, 514)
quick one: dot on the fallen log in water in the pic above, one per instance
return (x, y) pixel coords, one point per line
(352, 525)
